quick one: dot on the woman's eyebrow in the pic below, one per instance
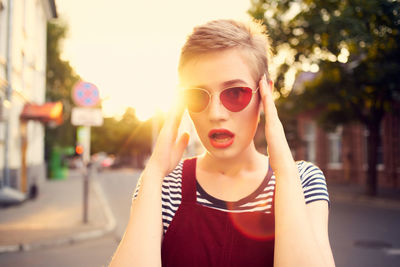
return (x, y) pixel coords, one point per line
(233, 82)
(224, 84)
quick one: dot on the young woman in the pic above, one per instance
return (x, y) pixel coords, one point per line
(231, 206)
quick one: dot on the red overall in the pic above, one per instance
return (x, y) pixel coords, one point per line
(203, 236)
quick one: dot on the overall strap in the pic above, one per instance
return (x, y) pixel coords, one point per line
(189, 181)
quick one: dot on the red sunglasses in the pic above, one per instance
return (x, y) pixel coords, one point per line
(234, 99)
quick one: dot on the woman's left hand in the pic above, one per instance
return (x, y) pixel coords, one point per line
(278, 148)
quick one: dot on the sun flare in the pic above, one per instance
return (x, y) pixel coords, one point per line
(131, 57)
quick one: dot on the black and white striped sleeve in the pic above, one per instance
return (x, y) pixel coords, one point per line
(136, 192)
(313, 182)
(171, 195)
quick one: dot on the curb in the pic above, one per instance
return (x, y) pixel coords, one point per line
(75, 238)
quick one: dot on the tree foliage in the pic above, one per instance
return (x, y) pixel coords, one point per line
(355, 43)
(60, 78)
(128, 138)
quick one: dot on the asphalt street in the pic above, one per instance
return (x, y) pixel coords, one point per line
(366, 236)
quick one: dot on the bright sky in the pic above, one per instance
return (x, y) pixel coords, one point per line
(129, 48)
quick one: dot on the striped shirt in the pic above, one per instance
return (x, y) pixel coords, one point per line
(312, 181)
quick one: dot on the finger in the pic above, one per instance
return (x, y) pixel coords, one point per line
(167, 153)
(179, 148)
(273, 126)
(182, 141)
(261, 85)
(266, 88)
(178, 108)
(174, 117)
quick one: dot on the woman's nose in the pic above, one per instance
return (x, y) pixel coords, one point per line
(216, 110)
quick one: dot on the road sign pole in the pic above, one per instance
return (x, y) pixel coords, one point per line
(86, 194)
(86, 97)
(83, 138)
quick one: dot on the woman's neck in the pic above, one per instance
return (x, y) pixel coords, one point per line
(249, 160)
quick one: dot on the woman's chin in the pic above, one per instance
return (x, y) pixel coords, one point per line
(222, 154)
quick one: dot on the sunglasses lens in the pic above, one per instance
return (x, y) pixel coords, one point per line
(237, 98)
(196, 100)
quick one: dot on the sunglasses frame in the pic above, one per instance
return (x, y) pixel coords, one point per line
(210, 95)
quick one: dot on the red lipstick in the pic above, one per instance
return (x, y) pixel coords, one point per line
(221, 138)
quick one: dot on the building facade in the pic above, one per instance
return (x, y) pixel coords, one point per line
(23, 31)
(342, 154)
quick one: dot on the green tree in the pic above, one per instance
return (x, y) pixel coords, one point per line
(60, 78)
(356, 45)
(128, 138)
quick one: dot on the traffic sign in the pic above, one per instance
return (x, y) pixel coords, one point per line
(85, 94)
(81, 116)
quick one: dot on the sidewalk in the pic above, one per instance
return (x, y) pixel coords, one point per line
(56, 216)
(386, 197)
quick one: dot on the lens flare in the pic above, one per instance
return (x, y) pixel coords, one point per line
(255, 225)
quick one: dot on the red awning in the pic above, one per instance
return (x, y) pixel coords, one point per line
(48, 112)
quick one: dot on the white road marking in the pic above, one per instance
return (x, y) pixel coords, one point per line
(392, 251)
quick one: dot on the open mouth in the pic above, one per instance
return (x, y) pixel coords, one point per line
(221, 138)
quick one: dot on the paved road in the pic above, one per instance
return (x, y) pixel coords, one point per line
(364, 236)
(360, 235)
(118, 187)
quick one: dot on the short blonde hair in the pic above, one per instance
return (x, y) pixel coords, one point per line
(224, 34)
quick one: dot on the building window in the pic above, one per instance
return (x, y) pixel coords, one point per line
(379, 161)
(335, 148)
(309, 140)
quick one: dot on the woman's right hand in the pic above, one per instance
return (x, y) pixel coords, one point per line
(143, 235)
(169, 148)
